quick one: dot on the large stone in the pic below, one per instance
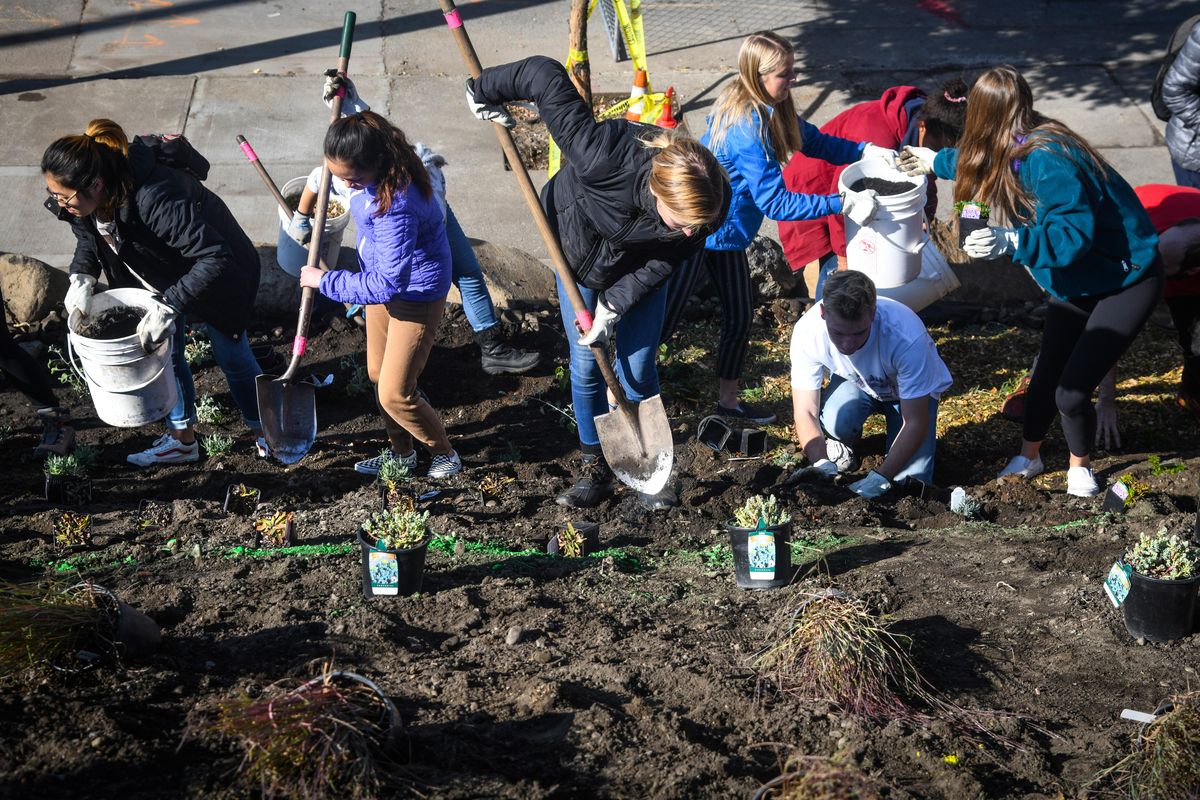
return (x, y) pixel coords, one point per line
(32, 288)
(514, 278)
(770, 273)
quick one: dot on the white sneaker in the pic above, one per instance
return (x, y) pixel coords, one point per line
(166, 450)
(840, 454)
(445, 465)
(1022, 467)
(1081, 482)
(370, 466)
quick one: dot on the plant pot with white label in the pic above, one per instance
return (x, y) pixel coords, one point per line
(972, 216)
(1163, 584)
(393, 545)
(759, 535)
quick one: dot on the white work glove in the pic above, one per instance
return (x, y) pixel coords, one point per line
(156, 326)
(299, 230)
(351, 102)
(914, 161)
(860, 206)
(79, 295)
(990, 242)
(874, 151)
(604, 321)
(871, 486)
(485, 112)
(433, 165)
(820, 470)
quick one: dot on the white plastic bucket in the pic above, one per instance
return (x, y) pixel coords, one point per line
(889, 248)
(291, 256)
(935, 281)
(129, 386)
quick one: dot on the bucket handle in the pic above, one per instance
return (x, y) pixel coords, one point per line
(78, 369)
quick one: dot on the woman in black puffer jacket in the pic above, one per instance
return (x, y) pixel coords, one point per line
(630, 204)
(1181, 94)
(152, 226)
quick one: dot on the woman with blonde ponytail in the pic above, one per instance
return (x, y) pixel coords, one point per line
(142, 218)
(753, 131)
(1065, 214)
(629, 206)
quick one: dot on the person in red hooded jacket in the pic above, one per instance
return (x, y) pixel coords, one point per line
(903, 115)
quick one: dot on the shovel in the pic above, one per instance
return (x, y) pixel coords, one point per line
(287, 407)
(636, 438)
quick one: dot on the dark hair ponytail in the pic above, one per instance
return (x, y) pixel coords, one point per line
(100, 153)
(367, 141)
(945, 111)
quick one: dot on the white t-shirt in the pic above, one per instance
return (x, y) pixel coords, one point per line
(898, 362)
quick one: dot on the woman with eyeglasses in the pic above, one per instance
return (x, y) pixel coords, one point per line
(147, 224)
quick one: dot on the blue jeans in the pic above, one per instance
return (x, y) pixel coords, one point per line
(844, 409)
(468, 277)
(637, 337)
(234, 358)
(826, 267)
(1185, 177)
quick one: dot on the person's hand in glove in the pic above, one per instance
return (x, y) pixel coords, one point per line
(860, 206)
(821, 470)
(156, 326)
(79, 294)
(871, 486)
(351, 102)
(1108, 436)
(299, 230)
(604, 321)
(914, 161)
(484, 111)
(874, 151)
(990, 243)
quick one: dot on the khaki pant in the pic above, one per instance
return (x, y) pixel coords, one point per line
(400, 335)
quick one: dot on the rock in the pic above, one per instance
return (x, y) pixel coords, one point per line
(31, 288)
(514, 635)
(770, 273)
(515, 279)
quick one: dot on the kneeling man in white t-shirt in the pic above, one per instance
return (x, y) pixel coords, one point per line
(880, 360)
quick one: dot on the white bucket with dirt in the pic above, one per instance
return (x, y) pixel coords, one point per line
(888, 250)
(291, 256)
(129, 386)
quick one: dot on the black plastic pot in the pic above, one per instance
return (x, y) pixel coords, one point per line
(387, 573)
(772, 559)
(967, 226)
(68, 490)
(1160, 610)
(590, 531)
(134, 633)
(239, 504)
(713, 433)
(289, 535)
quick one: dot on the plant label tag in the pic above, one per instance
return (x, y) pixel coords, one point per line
(385, 576)
(1116, 585)
(1115, 497)
(970, 212)
(760, 552)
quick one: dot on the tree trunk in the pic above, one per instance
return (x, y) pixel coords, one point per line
(581, 70)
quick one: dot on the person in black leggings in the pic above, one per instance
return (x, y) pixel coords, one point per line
(33, 380)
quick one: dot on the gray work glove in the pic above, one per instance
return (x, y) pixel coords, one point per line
(485, 112)
(299, 229)
(156, 326)
(914, 161)
(79, 295)
(351, 102)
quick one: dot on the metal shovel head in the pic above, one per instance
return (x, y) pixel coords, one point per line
(640, 454)
(288, 410)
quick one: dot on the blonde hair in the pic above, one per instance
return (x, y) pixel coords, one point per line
(761, 54)
(686, 177)
(99, 153)
(999, 109)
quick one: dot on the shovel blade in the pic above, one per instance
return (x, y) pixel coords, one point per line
(640, 452)
(288, 410)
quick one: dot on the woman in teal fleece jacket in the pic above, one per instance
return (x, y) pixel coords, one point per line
(1079, 228)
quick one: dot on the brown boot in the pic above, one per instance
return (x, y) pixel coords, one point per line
(58, 438)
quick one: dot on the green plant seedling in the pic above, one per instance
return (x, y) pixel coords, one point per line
(65, 465)
(758, 508)
(198, 351)
(1158, 468)
(73, 530)
(398, 528)
(570, 542)
(210, 411)
(274, 528)
(1135, 488)
(216, 444)
(61, 371)
(1164, 557)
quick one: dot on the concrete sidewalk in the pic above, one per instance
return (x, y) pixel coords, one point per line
(216, 68)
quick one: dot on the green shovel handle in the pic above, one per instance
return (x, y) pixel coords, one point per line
(347, 35)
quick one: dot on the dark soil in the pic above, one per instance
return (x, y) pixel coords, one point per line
(112, 323)
(625, 674)
(881, 186)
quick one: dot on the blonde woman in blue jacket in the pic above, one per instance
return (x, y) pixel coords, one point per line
(753, 132)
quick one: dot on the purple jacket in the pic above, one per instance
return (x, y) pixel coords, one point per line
(402, 255)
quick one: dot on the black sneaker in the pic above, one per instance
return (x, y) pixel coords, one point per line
(595, 485)
(498, 356)
(746, 413)
(665, 498)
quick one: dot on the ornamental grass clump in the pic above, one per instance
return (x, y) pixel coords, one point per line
(1164, 557)
(813, 778)
(1165, 762)
(397, 528)
(43, 624)
(758, 508)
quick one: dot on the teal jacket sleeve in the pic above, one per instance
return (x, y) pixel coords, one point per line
(945, 163)
(1064, 223)
(757, 165)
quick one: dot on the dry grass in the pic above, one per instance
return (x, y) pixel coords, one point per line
(1165, 762)
(42, 624)
(813, 778)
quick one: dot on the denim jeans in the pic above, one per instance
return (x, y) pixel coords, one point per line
(637, 337)
(234, 358)
(468, 277)
(844, 409)
(1185, 177)
(826, 267)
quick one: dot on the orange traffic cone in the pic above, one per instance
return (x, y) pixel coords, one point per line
(637, 95)
(667, 120)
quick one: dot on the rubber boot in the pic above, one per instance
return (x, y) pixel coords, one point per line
(58, 438)
(595, 484)
(498, 356)
(662, 500)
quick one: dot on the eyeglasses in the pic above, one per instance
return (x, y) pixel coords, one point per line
(60, 199)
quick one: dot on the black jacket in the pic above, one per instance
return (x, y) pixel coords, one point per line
(181, 239)
(599, 203)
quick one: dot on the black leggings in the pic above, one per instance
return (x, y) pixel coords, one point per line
(23, 372)
(1081, 342)
(730, 273)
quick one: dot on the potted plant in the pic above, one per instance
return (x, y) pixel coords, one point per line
(972, 216)
(275, 529)
(393, 480)
(1163, 582)
(67, 481)
(759, 534)
(393, 545)
(241, 499)
(73, 531)
(574, 541)
(154, 515)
